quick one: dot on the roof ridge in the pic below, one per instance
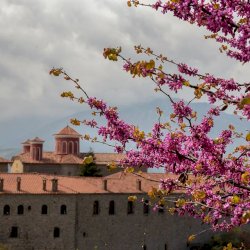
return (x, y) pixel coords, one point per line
(68, 131)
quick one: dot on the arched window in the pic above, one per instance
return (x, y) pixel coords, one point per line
(20, 209)
(130, 207)
(96, 207)
(76, 148)
(146, 207)
(38, 153)
(44, 209)
(6, 210)
(59, 147)
(64, 147)
(63, 209)
(165, 247)
(71, 147)
(33, 153)
(111, 207)
(56, 232)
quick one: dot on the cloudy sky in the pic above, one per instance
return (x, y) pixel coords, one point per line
(38, 35)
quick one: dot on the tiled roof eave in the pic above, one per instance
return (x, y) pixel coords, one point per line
(51, 163)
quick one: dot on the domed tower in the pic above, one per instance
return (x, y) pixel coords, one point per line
(67, 141)
(36, 149)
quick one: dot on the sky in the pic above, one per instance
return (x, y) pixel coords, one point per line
(38, 35)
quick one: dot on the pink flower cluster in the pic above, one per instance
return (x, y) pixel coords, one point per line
(215, 182)
(225, 17)
(212, 181)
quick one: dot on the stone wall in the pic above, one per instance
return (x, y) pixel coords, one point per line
(57, 169)
(63, 169)
(154, 231)
(35, 230)
(4, 167)
(81, 229)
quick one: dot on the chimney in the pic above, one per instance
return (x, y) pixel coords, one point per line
(105, 184)
(26, 146)
(138, 182)
(54, 185)
(36, 149)
(1, 184)
(18, 183)
(44, 185)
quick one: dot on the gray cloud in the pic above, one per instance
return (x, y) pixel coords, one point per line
(37, 35)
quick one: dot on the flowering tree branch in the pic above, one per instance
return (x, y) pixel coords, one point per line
(216, 182)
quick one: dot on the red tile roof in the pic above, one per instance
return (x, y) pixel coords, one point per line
(68, 131)
(26, 142)
(2, 160)
(50, 158)
(53, 158)
(32, 183)
(106, 158)
(36, 139)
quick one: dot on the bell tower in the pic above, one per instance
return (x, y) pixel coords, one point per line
(67, 141)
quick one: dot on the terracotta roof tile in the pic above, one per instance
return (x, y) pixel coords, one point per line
(68, 131)
(32, 183)
(26, 142)
(4, 160)
(53, 158)
(50, 158)
(36, 139)
(105, 158)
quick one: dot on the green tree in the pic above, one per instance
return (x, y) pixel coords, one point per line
(89, 167)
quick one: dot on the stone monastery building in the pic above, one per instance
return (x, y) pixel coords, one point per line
(45, 205)
(39, 212)
(66, 159)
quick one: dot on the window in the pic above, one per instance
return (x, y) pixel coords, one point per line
(6, 210)
(146, 207)
(44, 209)
(56, 232)
(20, 209)
(144, 247)
(111, 207)
(161, 209)
(63, 209)
(71, 147)
(38, 153)
(59, 147)
(130, 207)
(14, 232)
(165, 247)
(96, 207)
(64, 147)
(76, 148)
